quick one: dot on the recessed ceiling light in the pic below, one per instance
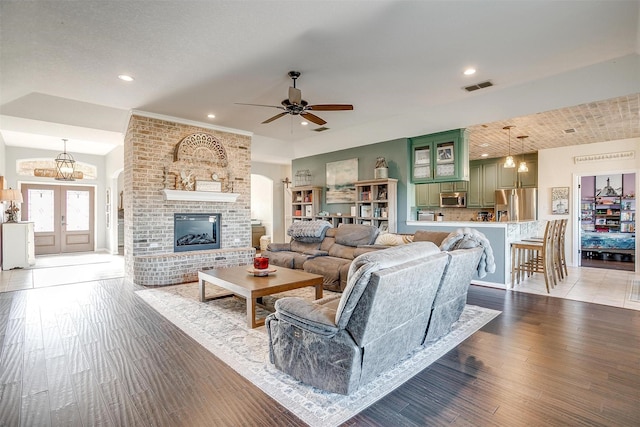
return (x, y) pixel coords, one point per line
(211, 116)
(484, 144)
(469, 71)
(303, 123)
(125, 78)
(484, 155)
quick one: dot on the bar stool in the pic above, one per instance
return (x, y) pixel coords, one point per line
(562, 261)
(528, 257)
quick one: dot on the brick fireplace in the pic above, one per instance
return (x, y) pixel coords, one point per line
(154, 192)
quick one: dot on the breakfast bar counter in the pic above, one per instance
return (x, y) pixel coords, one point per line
(499, 234)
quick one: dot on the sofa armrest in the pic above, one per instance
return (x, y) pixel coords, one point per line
(307, 315)
(279, 247)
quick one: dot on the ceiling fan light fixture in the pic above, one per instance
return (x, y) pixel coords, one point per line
(304, 123)
(509, 162)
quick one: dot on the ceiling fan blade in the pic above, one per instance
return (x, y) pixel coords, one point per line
(313, 118)
(330, 107)
(261, 105)
(277, 116)
(295, 95)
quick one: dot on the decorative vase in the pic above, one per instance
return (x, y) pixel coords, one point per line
(381, 170)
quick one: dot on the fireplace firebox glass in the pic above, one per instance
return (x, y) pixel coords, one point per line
(196, 231)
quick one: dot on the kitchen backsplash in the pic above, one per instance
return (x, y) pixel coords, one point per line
(460, 214)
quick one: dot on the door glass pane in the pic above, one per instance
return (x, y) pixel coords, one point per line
(77, 210)
(41, 209)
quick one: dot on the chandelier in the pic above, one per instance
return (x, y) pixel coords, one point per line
(65, 165)
(522, 167)
(509, 162)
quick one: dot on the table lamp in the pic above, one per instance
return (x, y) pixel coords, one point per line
(11, 196)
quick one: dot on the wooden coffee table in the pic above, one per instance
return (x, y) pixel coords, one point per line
(238, 281)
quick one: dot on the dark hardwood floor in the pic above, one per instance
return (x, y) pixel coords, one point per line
(608, 263)
(96, 354)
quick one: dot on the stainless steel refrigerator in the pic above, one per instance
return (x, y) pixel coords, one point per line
(517, 204)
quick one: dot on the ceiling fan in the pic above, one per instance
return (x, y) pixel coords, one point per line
(295, 105)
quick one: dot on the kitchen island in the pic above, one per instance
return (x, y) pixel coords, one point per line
(499, 234)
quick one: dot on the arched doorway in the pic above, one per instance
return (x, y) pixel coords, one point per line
(262, 203)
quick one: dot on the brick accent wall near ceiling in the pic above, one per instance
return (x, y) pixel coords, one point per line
(148, 217)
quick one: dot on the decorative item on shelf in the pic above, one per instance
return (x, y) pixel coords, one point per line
(13, 197)
(208, 185)
(522, 167)
(509, 162)
(302, 178)
(65, 165)
(187, 180)
(381, 170)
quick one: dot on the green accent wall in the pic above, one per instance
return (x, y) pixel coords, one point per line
(396, 153)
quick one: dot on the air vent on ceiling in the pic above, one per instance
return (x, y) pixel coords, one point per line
(478, 86)
(321, 129)
(570, 130)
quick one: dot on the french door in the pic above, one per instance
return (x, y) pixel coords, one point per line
(63, 217)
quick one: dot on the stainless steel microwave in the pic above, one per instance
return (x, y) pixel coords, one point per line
(453, 200)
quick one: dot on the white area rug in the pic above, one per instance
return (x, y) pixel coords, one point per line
(220, 327)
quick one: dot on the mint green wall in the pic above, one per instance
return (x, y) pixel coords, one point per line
(395, 152)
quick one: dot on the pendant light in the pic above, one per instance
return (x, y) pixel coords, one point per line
(522, 167)
(509, 162)
(65, 165)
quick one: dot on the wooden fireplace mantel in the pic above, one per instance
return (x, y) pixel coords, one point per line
(200, 196)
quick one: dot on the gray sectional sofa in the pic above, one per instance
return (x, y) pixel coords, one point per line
(329, 254)
(395, 300)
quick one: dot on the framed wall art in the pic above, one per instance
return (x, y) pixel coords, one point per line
(341, 178)
(445, 153)
(560, 200)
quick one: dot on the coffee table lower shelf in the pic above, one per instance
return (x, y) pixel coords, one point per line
(238, 281)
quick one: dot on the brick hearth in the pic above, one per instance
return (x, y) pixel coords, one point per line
(148, 236)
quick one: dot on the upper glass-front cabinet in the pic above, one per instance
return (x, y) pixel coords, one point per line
(440, 157)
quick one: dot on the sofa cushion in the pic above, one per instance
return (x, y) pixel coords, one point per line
(430, 236)
(356, 234)
(327, 243)
(330, 269)
(303, 247)
(342, 251)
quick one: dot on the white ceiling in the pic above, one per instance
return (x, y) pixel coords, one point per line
(399, 63)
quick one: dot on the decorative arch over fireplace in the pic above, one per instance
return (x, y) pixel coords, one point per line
(201, 148)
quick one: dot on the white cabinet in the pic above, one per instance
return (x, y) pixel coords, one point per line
(18, 249)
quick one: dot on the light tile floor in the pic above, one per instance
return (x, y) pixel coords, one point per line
(596, 285)
(608, 287)
(53, 270)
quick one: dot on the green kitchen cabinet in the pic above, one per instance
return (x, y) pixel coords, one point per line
(454, 187)
(428, 195)
(440, 157)
(483, 179)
